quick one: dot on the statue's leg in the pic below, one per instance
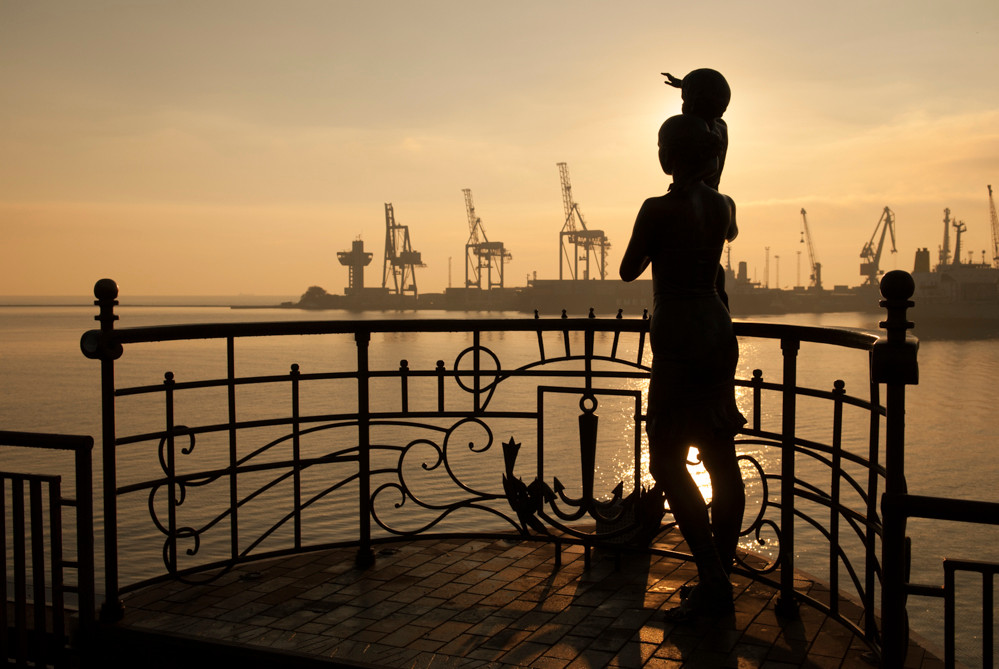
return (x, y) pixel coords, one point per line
(668, 465)
(728, 495)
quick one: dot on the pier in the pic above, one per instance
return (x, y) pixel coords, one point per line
(364, 510)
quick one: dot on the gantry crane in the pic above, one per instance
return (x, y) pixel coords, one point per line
(995, 229)
(871, 267)
(480, 253)
(401, 260)
(584, 244)
(806, 235)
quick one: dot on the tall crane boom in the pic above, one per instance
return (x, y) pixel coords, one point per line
(567, 203)
(482, 257)
(995, 229)
(816, 277)
(584, 244)
(871, 255)
(474, 222)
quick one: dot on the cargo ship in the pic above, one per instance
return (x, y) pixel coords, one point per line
(957, 297)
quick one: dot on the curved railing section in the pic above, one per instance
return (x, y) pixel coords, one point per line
(502, 429)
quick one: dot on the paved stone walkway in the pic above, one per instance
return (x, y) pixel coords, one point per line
(486, 603)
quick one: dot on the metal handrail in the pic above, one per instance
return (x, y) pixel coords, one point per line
(844, 337)
(906, 507)
(892, 361)
(53, 572)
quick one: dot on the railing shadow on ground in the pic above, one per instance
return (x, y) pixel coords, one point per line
(363, 449)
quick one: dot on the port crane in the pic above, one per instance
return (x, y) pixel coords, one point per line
(401, 260)
(816, 277)
(995, 229)
(871, 255)
(481, 255)
(582, 243)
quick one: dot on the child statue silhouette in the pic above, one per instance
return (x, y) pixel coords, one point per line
(706, 94)
(692, 392)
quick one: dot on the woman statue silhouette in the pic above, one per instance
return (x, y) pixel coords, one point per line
(694, 355)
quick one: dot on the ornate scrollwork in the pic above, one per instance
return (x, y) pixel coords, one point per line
(178, 431)
(172, 538)
(760, 523)
(490, 386)
(432, 456)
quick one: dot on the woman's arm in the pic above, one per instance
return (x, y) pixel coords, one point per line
(636, 256)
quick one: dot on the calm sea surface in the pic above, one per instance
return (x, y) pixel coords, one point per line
(951, 420)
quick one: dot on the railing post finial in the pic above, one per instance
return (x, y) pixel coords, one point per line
(894, 357)
(101, 345)
(106, 292)
(897, 287)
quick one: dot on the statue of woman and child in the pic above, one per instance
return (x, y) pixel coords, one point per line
(694, 351)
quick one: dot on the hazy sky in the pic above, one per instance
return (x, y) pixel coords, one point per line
(211, 147)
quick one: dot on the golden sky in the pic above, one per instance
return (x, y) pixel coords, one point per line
(223, 147)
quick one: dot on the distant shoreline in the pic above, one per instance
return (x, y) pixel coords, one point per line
(172, 305)
(146, 301)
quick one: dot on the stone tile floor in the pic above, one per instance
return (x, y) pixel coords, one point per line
(491, 603)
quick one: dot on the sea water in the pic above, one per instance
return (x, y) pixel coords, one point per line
(48, 386)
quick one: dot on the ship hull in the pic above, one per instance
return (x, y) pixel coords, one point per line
(956, 300)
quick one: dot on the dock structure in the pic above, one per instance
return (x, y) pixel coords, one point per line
(355, 260)
(417, 513)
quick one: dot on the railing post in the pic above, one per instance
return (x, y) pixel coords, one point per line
(83, 460)
(230, 373)
(893, 363)
(296, 452)
(787, 604)
(365, 556)
(757, 385)
(171, 475)
(836, 474)
(871, 576)
(103, 346)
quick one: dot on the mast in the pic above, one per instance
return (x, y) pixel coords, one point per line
(995, 229)
(945, 249)
(959, 229)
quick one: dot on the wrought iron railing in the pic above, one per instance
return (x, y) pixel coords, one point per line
(360, 434)
(905, 507)
(41, 573)
(396, 425)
